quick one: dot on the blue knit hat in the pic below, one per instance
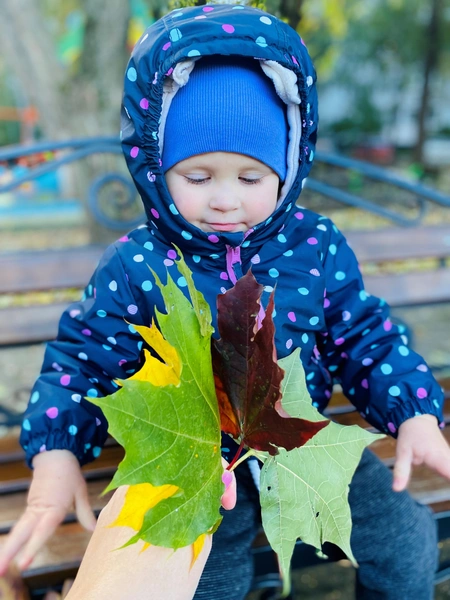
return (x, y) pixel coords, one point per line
(228, 105)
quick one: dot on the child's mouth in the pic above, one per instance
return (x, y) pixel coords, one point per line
(223, 226)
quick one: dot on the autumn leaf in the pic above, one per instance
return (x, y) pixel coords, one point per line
(167, 419)
(248, 378)
(304, 492)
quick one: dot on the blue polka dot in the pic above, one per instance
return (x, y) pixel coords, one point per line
(147, 285)
(436, 403)
(305, 338)
(288, 253)
(82, 356)
(214, 256)
(89, 290)
(96, 451)
(175, 35)
(148, 246)
(303, 291)
(173, 209)
(92, 393)
(186, 235)
(139, 345)
(132, 74)
(245, 244)
(193, 53)
(87, 446)
(363, 295)
(273, 272)
(26, 425)
(181, 281)
(102, 313)
(288, 207)
(238, 7)
(282, 238)
(332, 368)
(351, 391)
(269, 220)
(34, 397)
(310, 376)
(401, 329)
(105, 347)
(333, 249)
(314, 320)
(261, 41)
(196, 258)
(73, 430)
(340, 275)
(404, 351)
(394, 391)
(131, 329)
(386, 369)
(366, 331)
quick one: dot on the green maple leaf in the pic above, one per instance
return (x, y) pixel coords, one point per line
(171, 433)
(304, 491)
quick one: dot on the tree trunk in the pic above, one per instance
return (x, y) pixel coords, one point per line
(431, 61)
(292, 10)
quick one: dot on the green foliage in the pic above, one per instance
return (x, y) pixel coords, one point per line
(304, 492)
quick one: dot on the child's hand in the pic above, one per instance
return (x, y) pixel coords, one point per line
(56, 486)
(420, 441)
(229, 495)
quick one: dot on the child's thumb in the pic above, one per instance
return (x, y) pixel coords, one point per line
(85, 514)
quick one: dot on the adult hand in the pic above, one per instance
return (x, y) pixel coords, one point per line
(420, 441)
(56, 487)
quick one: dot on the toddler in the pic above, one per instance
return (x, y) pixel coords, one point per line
(219, 125)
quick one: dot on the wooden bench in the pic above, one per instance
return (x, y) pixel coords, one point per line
(71, 268)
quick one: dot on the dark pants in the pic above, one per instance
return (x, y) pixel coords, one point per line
(393, 539)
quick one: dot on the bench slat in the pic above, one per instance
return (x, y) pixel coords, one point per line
(30, 324)
(405, 289)
(48, 269)
(400, 243)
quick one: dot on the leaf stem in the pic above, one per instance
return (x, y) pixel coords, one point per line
(237, 461)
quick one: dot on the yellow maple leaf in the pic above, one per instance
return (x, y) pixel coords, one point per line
(139, 499)
(157, 372)
(197, 547)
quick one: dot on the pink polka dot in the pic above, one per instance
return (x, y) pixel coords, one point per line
(367, 362)
(315, 272)
(86, 332)
(422, 368)
(213, 238)
(168, 262)
(326, 303)
(312, 241)
(169, 72)
(43, 448)
(144, 103)
(52, 412)
(155, 213)
(208, 9)
(327, 394)
(172, 254)
(292, 317)
(340, 341)
(391, 427)
(122, 361)
(302, 41)
(299, 215)
(125, 238)
(166, 46)
(228, 28)
(255, 259)
(74, 313)
(365, 384)
(200, 17)
(289, 344)
(224, 276)
(65, 380)
(387, 325)
(97, 421)
(422, 393)
(57, 367)
(346, 316)
(344, 355)
(294, 60)
(134, 151)
(442, 425)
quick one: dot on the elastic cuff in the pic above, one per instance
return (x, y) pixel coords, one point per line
(413, 408)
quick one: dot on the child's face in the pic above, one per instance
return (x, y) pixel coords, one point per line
(223, 191)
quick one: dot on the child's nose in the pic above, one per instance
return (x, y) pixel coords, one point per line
(224, 200)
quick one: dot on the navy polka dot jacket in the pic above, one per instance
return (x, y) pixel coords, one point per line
(321, 306)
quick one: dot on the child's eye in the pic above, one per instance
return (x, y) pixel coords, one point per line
(196, 181)
(249, 181)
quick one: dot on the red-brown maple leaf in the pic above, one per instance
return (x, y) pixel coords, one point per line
(248, 378)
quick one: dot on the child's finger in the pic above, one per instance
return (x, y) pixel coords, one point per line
(18, 536)
(85, 514)
(402, 468)
(42, 531)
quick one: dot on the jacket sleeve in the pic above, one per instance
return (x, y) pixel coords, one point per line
(366, 353)
(96, 344)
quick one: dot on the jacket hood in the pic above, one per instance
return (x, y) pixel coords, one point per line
(186, 35)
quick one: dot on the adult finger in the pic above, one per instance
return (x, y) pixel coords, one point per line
(229, 496)
(402, 467)
(18, 536)
(85, 514)
(42, 531)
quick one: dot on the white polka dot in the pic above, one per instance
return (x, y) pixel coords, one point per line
(265, 20)
(113, 285)
(138, 258)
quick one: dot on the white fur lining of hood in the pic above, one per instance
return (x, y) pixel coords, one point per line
(285, 82)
